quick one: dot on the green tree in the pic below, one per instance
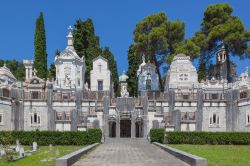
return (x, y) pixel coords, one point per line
(157, 38)
(134, 60)
(40, 62)
(107, 54)
(52, 69)
(220, 26)
(17, 68)
(86, 44)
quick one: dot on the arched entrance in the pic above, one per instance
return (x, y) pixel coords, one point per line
(112, 129)
(125, 128)
(138, 128)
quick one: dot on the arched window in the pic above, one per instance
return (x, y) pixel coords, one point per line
(243, 95)
(6, 93)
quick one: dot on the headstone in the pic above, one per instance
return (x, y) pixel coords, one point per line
(34, 146)
(2, 152)
(50, 147)
(57, 152)
(17, 148)
(21, 152)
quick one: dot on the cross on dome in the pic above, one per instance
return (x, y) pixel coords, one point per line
(70, 29)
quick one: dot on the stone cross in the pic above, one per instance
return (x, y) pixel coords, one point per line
(70, 29)
(17, 142)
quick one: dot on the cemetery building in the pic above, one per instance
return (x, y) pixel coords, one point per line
(68, 103)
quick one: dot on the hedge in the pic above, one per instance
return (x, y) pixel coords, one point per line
(213, 138)
(157, 135)
(51, 137)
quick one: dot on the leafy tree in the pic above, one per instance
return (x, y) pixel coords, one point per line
(220, 26)
(187, 47)
(157, 38)
(40, 62)
(86, 44)
(107, 54)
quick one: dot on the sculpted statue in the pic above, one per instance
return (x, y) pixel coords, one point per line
(124, 91)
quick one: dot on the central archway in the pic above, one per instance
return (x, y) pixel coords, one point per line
(125, 128)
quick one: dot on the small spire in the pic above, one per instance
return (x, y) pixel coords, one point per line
(70, 36)
(4, 65)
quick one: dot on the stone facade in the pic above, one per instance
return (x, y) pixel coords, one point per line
(63, 104)
(100, 75)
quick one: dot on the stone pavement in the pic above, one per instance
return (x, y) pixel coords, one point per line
(128, 152)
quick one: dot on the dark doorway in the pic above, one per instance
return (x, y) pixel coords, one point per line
(125, 128)
(138, 129)
(112, 129)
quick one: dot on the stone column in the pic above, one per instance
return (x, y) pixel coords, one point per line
(30, 72)
(117, 127)
(51, 112)
(132, 126)
(27, 73)
(199, 112)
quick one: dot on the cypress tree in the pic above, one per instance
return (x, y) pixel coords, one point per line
(107, 54)
(40, 62)
(134, 60)
(86, 44)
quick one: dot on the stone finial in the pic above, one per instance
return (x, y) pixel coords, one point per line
(70, 29)
(70, 37)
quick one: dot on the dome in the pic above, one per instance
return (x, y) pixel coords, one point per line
(4, 71)
(123, 77)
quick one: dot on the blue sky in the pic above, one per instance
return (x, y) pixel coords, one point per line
(114, 22)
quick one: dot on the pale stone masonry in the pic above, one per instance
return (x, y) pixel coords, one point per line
(68, 103)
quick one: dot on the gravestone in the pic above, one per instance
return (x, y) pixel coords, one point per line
(21, 152)
(57, 152)
(50, 147)
(2, 151)
(34, 146)
(17, 146)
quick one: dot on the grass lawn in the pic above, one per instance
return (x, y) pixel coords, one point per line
(42, 154)
(219, 155)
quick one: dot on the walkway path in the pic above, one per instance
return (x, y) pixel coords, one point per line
(128, 152)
